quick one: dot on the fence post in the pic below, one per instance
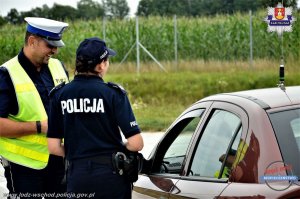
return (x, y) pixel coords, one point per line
(175, 43)
(251, 42)
(137, 45)
(103, 28)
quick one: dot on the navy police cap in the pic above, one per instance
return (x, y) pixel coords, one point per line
(50, 30)
(92, 50)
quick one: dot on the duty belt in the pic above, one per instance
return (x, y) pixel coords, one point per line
(96, 159)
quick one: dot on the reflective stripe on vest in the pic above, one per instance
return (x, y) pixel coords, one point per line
(31, 150)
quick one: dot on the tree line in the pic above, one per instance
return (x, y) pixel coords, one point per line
(89, 9)
(205, 7)
(86, 10)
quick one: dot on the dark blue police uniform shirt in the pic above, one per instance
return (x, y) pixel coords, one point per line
(88, 113)
(42, 80)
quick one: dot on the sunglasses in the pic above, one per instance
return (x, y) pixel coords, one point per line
(50, 46)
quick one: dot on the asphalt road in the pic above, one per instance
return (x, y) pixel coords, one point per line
(150, 140)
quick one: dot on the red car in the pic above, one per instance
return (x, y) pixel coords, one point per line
(233, 145)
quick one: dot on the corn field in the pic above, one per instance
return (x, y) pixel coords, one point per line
(223, 37)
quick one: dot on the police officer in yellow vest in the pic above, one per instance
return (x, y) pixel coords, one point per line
(25, 82)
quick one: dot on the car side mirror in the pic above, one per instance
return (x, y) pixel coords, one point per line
(145, 166)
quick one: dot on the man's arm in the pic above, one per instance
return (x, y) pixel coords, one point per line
(9, 105)
(13, 129)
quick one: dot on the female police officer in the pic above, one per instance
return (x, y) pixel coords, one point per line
(88, 113)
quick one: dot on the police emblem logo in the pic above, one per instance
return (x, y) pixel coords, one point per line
(279, 19)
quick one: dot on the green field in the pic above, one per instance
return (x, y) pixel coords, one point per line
(213, 57)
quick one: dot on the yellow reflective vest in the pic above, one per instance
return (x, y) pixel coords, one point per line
(31, 150)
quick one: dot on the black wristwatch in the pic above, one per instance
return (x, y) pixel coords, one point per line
(38, 127)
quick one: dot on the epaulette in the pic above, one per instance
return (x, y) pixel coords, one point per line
(56, 88)
(3, 68)
(117, 86)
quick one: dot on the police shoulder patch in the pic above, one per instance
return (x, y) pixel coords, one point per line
(56, 88)
(117, 86)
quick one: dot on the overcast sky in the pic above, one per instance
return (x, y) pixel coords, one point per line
(26, 5)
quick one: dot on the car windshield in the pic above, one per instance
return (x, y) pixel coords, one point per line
(287, 129)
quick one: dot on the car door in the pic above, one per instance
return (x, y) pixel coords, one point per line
(212, 153)
(167, 162)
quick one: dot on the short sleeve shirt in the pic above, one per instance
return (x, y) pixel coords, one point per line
(89, 114)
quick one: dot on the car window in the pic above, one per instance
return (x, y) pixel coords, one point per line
(180, 144)
(178, 140)
(218, 143)
(295, 126)
(286, 125)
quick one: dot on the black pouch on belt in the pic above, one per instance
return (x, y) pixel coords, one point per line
(128, 164)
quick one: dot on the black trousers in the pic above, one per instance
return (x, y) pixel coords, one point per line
(89, 179)
(28, 183)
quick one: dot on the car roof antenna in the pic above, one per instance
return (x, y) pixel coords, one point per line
(281, 75)
(281, 68)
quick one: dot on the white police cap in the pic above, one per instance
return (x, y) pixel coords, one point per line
(50, 30)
